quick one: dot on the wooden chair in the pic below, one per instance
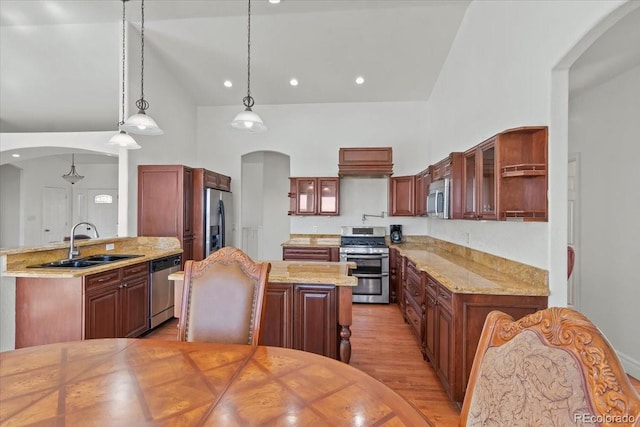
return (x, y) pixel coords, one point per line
(550, 368)
(223, 298)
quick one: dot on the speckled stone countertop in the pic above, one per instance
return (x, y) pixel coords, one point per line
(459, 268)
(306, 272)
(149, 247)
(464, 270)
(330, 240)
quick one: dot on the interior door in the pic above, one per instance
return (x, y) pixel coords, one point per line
(54, 214)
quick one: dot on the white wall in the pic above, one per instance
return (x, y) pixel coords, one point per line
(174, 111)
(10, 206)
(311, 135)
(604, 130)
(498, 76)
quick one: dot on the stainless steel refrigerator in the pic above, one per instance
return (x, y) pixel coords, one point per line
(218, 220)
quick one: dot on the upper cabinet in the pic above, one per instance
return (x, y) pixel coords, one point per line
(365, 161)
(314, 196)
(423, 179)
(505, 177)
(402, 195)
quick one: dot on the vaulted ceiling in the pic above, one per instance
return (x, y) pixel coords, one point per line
(59, 59)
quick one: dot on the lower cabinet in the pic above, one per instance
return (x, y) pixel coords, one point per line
(117, 302)
(453, 324)
(302, 317)
(311, 253)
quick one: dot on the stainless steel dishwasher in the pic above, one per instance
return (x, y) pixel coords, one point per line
(161, 298)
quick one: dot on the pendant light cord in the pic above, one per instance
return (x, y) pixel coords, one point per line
(141, 103)
(121, 122)
(248, 100)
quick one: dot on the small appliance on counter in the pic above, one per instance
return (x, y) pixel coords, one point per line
(395, 233)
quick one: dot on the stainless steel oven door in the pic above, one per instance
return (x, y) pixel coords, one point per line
(372, 272)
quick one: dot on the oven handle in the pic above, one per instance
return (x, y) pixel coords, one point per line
(371, 275)
(380, 256)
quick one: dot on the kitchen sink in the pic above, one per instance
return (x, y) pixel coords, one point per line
(110, 258)
(86, 262)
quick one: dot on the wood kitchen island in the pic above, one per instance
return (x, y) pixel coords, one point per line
(308, 307)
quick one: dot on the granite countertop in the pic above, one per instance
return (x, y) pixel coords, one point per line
(461, 274)
(150, 248)
(306, 272)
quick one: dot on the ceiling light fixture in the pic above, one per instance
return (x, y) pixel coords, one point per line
(274, 1)
(72, 176)
(247, 120)
(293, 82)
(141, 123)
(359, 80)
(121, 138)
(228, 83)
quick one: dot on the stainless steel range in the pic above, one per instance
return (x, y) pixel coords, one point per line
(366, 246)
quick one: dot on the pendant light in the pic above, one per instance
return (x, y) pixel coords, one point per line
(247, 120)
(122, 139)
(72, 176)
(141, 123)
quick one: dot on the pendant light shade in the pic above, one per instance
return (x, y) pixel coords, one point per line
(141, 123)
(121, 138)
(72, 176)
(248, 120)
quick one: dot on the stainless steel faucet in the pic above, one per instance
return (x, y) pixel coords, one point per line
(74, 252)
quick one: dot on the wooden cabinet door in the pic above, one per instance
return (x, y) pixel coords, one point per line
(306, 196)
(328, 196)
(444, 352)
(102, 311)
(430, 329)
(423, 179)
(277, 329)
(315, 323)
(135, 307)
(402, 195)
(469, 185)
(487, 182)
(187, 197)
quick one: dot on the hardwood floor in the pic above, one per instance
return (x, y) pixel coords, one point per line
(378, 332)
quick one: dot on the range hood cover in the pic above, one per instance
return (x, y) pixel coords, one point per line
(365, 161)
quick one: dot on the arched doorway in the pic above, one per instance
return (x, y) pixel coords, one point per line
(264, 204)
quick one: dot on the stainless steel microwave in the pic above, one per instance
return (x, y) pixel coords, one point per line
(438, 199)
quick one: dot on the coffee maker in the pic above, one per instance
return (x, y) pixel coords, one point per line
(395, 233)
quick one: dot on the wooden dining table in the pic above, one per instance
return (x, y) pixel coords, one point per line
(135, 382)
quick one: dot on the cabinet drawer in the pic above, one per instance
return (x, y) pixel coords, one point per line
(414, 316)
(444, 298)
(311, 254)
(415, 289)
(135, 270)
(107, 278)
(432, 287)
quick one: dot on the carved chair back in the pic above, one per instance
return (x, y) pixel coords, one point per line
(550, 368)
(223, 298)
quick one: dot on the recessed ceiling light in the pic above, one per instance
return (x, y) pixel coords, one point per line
(15, 155)
(274, 1)
(228, 83)
(359, 80)
(293, 82)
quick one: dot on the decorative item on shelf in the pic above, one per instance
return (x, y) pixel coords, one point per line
(247, 120)
(72, 176)
(141, 123)
(123, 139)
